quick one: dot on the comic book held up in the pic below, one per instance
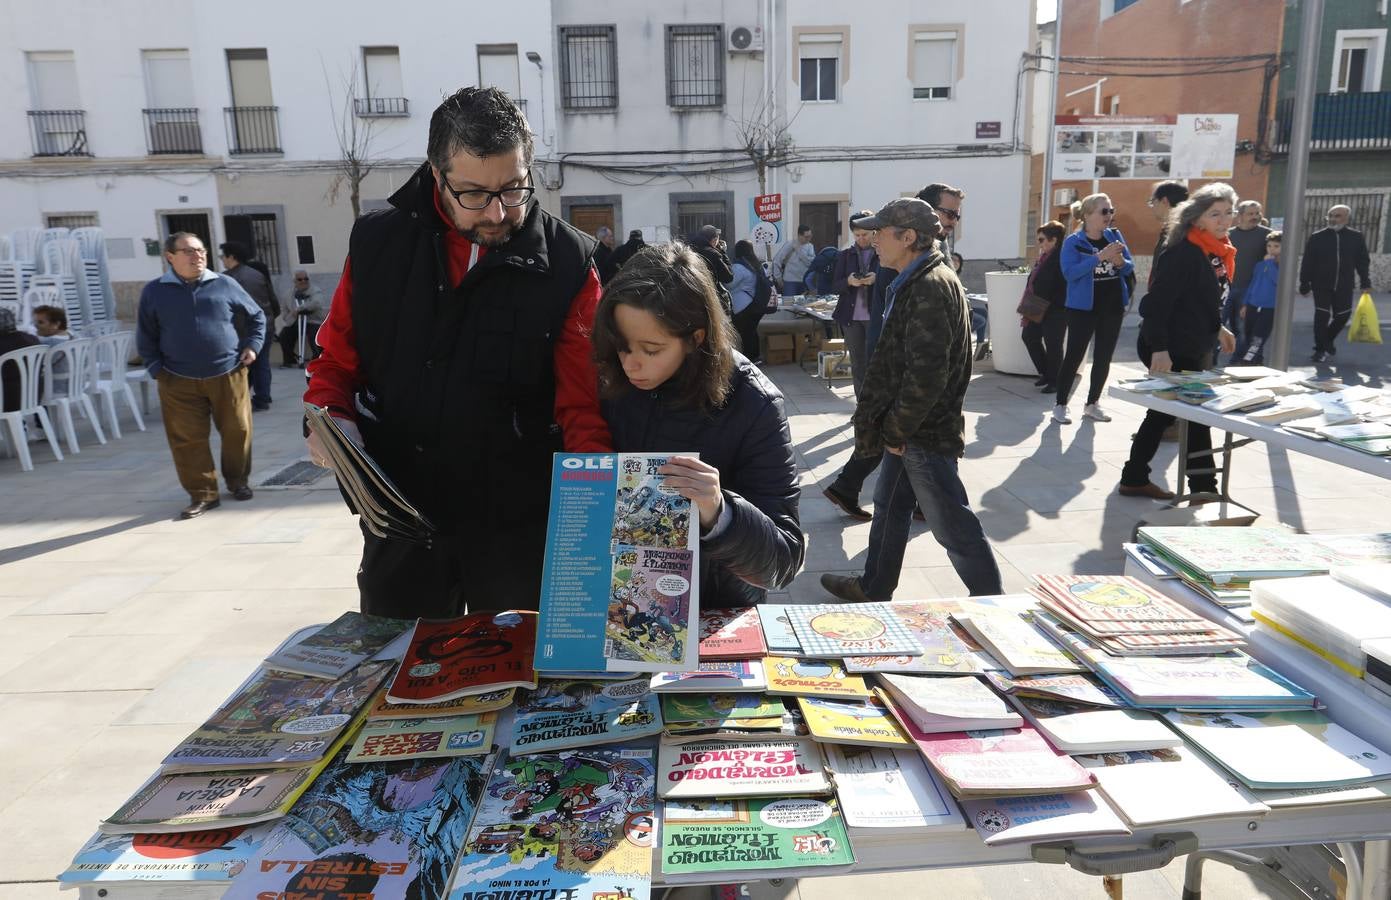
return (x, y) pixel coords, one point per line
(620, 591)
(211, 857)
(474, 654)
(383, 829)
(781, 837)
(278, 720)
(577, 823)
(562, 714)
(731, 634)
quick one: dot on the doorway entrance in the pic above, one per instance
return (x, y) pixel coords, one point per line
(824, 219)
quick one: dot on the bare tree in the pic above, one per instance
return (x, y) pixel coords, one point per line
(763, 138)
(355, 138)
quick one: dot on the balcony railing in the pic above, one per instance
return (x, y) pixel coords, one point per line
(1341, 122)
(253, 129)
(172, 130)
(59, 132)
(382, 107)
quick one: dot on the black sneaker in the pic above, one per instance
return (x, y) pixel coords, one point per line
(1319, 357)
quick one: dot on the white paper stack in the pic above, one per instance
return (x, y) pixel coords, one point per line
(1374, 580)
(938, 704)
(1323, 615)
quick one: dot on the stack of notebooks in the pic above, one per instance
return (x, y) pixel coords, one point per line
(1323, 615)
(1367, 437)
(1125, 618)
(1220, 563)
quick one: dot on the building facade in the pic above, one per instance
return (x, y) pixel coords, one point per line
(647, 116)
(1166, 58)
(1350, 154)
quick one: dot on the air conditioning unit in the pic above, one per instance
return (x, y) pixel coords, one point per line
(1064, 196)
(746, 39)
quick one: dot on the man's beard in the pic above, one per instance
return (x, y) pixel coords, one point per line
(493, 240)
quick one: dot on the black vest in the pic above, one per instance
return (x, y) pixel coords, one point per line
(458, 394)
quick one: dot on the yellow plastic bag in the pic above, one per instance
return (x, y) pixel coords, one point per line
(1365, 327)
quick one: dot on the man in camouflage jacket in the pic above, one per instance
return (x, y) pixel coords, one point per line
(910, 410)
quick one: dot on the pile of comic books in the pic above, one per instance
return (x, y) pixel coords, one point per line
(486, 756)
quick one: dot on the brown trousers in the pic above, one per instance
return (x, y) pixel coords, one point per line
(187, 405)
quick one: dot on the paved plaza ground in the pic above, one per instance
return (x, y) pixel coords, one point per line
(122, 628)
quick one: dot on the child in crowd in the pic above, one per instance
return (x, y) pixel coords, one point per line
(1258, 309)
(51, 323)
(671, 381)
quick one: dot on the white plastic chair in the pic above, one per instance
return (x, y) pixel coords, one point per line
(29, 360)
(108, 368)
(67, 374)
(98, 329)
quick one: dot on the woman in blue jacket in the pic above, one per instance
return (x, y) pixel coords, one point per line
(1097, 265)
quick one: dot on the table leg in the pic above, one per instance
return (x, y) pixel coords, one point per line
(1376, 870)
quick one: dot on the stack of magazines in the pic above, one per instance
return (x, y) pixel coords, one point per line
(384, 510)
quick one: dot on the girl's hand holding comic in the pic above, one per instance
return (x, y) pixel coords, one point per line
(697, 482)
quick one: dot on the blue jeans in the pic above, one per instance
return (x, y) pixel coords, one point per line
(260, 377)
(929, 480)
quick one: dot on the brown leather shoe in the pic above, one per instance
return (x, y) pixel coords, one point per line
(1149, 489)
(198, 507)
(847, 505)
(844, 587)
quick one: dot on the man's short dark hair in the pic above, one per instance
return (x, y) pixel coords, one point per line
(934, 191)
(804, 229)
(57, 315)
(479, 121)
(237, 250)
(171, 243)
(1173, 191)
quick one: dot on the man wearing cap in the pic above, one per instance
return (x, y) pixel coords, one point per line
(709, 247)
(910, 410)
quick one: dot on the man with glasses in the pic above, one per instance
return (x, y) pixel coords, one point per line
(198, 333)
(1332, 256)
(456, 350)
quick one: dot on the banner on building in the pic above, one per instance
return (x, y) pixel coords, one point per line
(1143, 147)
(763, 230)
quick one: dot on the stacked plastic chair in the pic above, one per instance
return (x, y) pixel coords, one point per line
(98, 271)
(56, 269)
(17, 267)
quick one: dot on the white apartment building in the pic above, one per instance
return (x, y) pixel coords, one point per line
(145, 120)
(657, 102)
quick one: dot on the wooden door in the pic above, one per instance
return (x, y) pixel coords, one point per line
(824, 219)
(590, 218)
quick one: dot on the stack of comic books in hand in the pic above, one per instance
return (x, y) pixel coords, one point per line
(384, 510)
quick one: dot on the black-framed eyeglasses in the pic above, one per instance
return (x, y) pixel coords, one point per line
(192, 251)
(949, 213)
(476, 200)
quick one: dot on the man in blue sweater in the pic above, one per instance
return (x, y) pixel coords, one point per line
(198, 332)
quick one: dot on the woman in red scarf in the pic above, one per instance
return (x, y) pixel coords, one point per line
(1182, 321)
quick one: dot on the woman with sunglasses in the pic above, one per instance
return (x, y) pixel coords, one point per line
(1097, 265)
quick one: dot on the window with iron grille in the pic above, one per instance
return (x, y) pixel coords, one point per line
(692, 215)
(695, 65)
(267, 239)
(71, 220)
(1368, 210)
(588, 67)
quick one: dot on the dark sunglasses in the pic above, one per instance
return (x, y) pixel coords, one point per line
(949, 213)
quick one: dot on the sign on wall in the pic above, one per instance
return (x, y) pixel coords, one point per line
(1144, 147)
(763, 219)
(768, 207)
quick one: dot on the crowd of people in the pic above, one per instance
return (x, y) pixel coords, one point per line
(472, 335)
